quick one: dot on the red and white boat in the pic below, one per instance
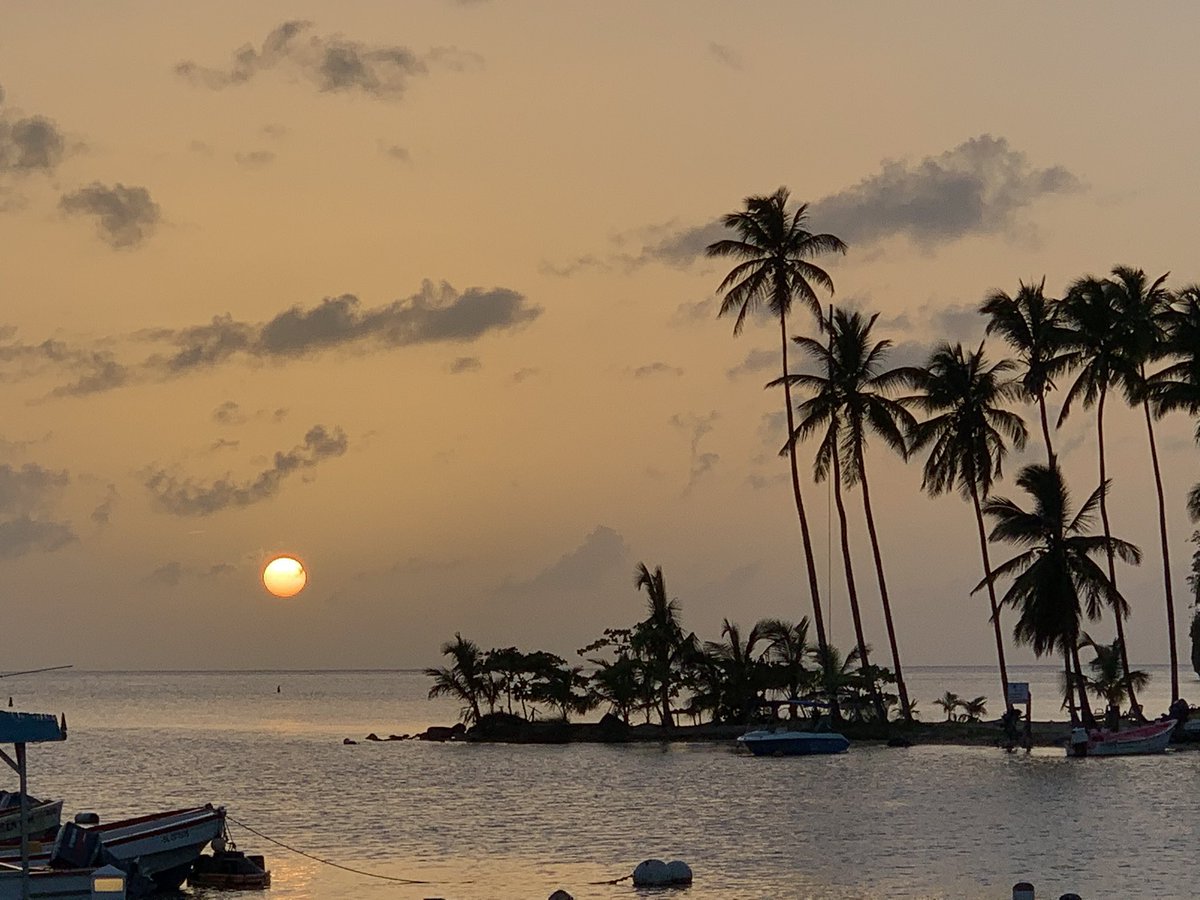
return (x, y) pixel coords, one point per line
(1152, 738)
(163, 846)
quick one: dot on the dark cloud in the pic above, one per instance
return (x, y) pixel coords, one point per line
(26, 535)
(436, 314)
(32, 144)
(978, 187)
(172, 573)
(125, 216)
(224, 444)
(725, 55)
(333, 63)
(699, 311)
(757, 361)
(602, 552)
(102, 514)
(254, 159)
(186, 497)
(26, 492)
(465, 364)
(229, 413)
(975, 188)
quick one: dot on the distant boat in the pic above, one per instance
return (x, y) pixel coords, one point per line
(44, 818)
(1152, 738)
(793, 743)
(163, 846)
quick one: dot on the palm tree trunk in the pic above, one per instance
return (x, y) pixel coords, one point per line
(851, 590)
(1070, 689)
(1135, 707)
(883, 593)
(1162, 533)
(987, 574)
(809, 559)
(1052, 460)
(1085, 709)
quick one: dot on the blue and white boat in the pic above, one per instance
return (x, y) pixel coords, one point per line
(793, 743)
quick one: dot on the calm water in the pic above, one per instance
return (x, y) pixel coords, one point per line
(499, 822)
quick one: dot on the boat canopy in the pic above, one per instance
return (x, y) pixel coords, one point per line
(29, 728)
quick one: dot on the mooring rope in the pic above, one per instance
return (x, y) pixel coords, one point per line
(328, 862)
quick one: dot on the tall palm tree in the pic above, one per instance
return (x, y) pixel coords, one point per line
(1145, 305)
(659, 636)
(855, 391)
(1103, 347)
(1055, 582)
(774, 249)
(824, 410)
(1177, 386)
(966, 430)
(1030, 324)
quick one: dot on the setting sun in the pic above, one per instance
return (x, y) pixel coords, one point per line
(284, 576)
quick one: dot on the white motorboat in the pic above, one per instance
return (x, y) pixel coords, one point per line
(793, 743)
(44, 817)
(1152, 738)
(162, 846)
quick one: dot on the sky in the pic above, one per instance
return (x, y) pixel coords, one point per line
(416, 293)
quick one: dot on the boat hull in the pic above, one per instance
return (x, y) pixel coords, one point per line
(44, 819)
(794, 743)
(1151, 738)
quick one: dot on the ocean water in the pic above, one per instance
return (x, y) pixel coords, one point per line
(493, 822)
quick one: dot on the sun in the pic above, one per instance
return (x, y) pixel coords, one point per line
(284, 576)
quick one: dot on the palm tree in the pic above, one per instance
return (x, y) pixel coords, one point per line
(464, 679)
(787, 651)
(949, 702)
(854, 391)
(1030, 324)
(837, 676)
(743, 670)
(974, 710)
(775, 249)
(1103, 346)
(1145, 306)
(1107, 681)
(966, 433)
(659, 636)
(1055, 581)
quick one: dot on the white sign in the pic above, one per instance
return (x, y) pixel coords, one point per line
(1018, 692)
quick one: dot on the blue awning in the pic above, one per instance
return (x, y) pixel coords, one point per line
(29, 728)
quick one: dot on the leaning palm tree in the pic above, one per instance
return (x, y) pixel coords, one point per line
(1107, 680)
(774, 249)
(1030, 324)
(1144, 305)
(1055, 581)
(464, 679)
(1104, 347)
(966, 433)
(854, 387)
(823, 411)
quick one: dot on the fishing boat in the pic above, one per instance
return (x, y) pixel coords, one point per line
(1152, 738)
(793, 743)
(44, 817)
(161, 847)
(107, 882)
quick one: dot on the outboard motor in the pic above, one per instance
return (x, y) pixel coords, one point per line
(1079, 742)
(74, 848)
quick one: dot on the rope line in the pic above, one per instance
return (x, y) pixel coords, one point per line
(328, 862)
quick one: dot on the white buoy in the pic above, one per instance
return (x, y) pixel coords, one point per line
(1022, 890)
(560, 894)
(651, 873)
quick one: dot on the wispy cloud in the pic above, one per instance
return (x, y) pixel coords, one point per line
(173, 573)
(436, 314)
(656, 368)
(189, 497)
(332, 63)
(26, 493)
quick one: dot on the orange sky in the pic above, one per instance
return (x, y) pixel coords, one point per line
(410, 290)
